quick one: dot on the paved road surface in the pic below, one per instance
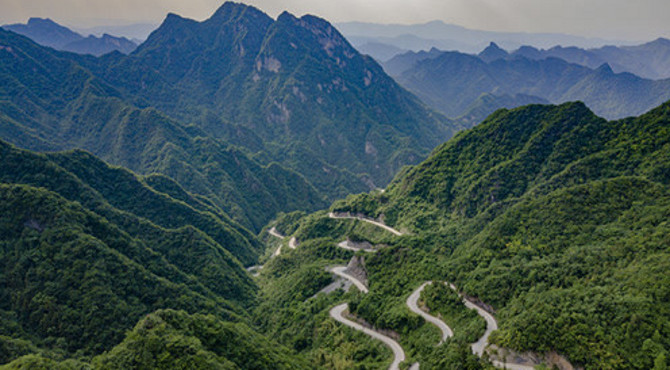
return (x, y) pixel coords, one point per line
(491, 324)
(398, 353)
(293, 243)
(275, 233)
(413, 306)
(341, 271)
(351, 246)
(368, 220)
(255, 270)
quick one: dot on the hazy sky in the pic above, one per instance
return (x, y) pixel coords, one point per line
(612, 19)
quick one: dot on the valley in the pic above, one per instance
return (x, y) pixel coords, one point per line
(248, 190)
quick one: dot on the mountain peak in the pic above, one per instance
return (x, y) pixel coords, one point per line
(492, 52)
(605, 68)
(661, 41)
(37, 20)
(172, 20)
(46, 24)
(46, 32)
(232, 10)
(286, 17)
(528, 52)
(173, 17)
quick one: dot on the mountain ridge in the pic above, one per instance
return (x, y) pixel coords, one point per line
(287, 89)
(96, 118)
(46, 32)
(451, 81)
(525, 208)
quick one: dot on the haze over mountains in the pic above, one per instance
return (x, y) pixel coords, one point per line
(197, 202)
(444, 36)
(48, 33)
(451, 82)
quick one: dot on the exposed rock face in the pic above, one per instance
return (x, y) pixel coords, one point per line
(294, 83)
(356, 268)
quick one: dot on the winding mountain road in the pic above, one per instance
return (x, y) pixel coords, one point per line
(414, 307)
(293, 243)
(348, 245)
(255, 270)
(341, 271)
(398, 353)
(368, 220)
(479, 346)
(273, 231)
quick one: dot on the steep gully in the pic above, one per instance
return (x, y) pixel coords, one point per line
(292, 243)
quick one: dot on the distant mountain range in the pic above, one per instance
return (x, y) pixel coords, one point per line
(138, 32)
(452, 82)
(49, 33)
(650, 60)
(446, 36)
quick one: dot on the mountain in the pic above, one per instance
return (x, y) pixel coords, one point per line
(295, 85)
(492, 53)
(101, 45)
(137, 32)
(88, 249)
(554, 217)
(381, 52)
(446, 36)
(45, 32)
(452, 81)
(402, 62)
(65, 106)
(49, 33)
(487, 103)
(205, 342)
(260, 116)
(167, 339)
(650, 60)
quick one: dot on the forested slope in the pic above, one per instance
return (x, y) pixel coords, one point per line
(87, 249)
(51, 102)
(557, 218)
(292, 90)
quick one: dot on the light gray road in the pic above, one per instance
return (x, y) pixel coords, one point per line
(413, 306)
(293, 243)
(398, 353)
(341, 271)
(368, 220)
(491, 324)
(255, 270)
(350, 246)
(273, 231)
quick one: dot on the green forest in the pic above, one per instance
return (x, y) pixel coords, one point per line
(206, 201)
